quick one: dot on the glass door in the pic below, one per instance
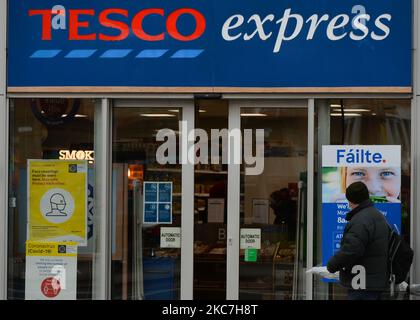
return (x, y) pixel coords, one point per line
(267, 190)
(149, 187)
(210, 200)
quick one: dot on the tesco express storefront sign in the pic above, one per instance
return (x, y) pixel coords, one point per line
(210, 43)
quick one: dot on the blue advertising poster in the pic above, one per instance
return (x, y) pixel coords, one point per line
(157, 203)
(379, 167)
(210, 44)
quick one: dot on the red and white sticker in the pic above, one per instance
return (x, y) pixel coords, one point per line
(50, 287)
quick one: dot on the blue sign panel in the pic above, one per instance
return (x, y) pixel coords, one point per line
(150, 213)
(334, 222)
(165, 192)
(157, 204)
(150, 192)
(165, 213)
(210, 43)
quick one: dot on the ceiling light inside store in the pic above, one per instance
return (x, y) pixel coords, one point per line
(352, 110)
(163, 130)
(157, 115)
(346, 115)
(24, 129)
(76, 116)
(253, 115)
(336, 106)
(177, 111)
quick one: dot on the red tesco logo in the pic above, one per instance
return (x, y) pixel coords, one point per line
(76, 22)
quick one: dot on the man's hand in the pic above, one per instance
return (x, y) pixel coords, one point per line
(393, 200)
(323, 272)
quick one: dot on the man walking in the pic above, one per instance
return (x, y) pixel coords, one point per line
(364, 245)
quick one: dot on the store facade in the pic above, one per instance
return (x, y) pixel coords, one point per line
(119, 85)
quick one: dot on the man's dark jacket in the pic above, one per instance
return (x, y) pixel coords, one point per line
(364, 243)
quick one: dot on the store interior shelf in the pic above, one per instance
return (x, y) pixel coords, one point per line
(164, 170)
(179, 170)
(201, 195)
(210, 172)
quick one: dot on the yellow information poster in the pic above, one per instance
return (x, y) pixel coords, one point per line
(57, 200)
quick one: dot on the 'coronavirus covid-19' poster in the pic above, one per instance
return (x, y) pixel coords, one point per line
(51, 271)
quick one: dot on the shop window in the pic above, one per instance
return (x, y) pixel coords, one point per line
(360, 122)
(57, 130)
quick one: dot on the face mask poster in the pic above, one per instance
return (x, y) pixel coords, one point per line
(57, 201)
(378, 167)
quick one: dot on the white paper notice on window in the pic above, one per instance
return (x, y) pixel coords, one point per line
(170, 237)
(216, 210)
(260, 211)
(250, 239)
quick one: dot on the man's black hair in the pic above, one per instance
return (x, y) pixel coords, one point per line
(357, 192)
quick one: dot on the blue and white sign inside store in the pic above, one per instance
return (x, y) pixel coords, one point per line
(157, 202)
(210, 43)
(379, 167)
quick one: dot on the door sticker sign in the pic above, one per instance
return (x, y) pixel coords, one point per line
(57, 200)
(170, 237)
(250, 239)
